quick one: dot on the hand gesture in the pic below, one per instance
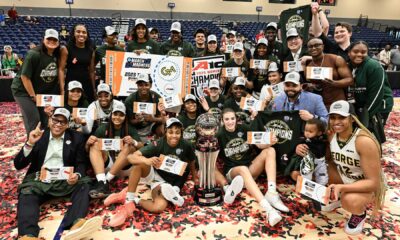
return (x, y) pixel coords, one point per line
(128, 140)
(91, 140)
(314, 7)
(305, 115)
(333, 192)
(49, 110)
(148, 117)
(302, 150)
(161, 108)
(35, 135)
(73, 179)
(204, 104)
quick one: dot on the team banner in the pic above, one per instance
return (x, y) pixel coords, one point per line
(171, 75)
(298, 18)
(205, 69)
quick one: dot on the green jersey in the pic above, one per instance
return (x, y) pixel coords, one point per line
(103, 132)
(189, 131)
(100, 56)
(183, 48)
(243, 116)
(183, 151)
(234, 148)
(150, 46)
(134, 97)
(42, 70)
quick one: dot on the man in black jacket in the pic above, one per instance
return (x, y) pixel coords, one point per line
(50, 151)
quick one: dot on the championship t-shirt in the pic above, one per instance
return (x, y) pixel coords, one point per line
(149, 47)
(189, 131)
(183, 151)
(287, 126)
(183, 48)
(217, 106)
(298, 18)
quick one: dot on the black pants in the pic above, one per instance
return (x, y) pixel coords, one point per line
(29, 210)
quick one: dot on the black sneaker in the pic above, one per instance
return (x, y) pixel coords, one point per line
(100, 190)
(355, 224)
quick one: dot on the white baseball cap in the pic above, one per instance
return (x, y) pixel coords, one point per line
(292, 33)
(293, 77)
(103, 88)
(262, 41)
(176, 26)
(51, 33)
(240, 81)
(119, 107)
(143, 77)
(231, 32)
(342, 108)
(172, 121)
(273, 67)
(189, 97)
(140, 21)
(238, 46)
(272, 25)
(62, 111)
(110, 30)
(211, 38)
(74, 84)
(214, 83)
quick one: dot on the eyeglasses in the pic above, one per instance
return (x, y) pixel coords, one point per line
(56, 121)
(317, 45)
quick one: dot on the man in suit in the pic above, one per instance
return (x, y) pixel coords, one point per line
(49, 150)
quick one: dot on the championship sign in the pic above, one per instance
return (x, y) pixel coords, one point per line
(205, 69)
(171, 75)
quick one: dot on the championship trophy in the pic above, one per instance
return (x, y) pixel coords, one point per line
(207, 149)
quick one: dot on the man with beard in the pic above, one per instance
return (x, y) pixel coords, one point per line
(332, 90)
(310, 105)
(200, 38)
(110, 36)
(176, 46)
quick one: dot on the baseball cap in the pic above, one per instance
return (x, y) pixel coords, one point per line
(272, 25)
(119, 107)
(51, 33)
(292, 33)
(140, 21)
(342, 108)
(172, 121)
(143, 77)
(63, 112)
(110, 30)
(273, 67)
(74, 84)
(7, 46)
(176, 26)
(214, 83)
(238, 46)
(103, 88)
(231, 33)
(240, 81)
(211, 38)
(153, 29)
(189, 97)
(293, 77)
(262, 41)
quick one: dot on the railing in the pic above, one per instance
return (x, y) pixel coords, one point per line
(118, 18)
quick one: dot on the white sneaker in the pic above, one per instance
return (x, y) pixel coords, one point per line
(86, 229)
(355, 224)
(171, 195)
(273, 217)
(321, 171)
(233, 189)
(331, 206)
(275, 201)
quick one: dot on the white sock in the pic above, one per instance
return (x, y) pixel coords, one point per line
(131, 197)
(265, 204)
(101, 177)
(109, 177)
(271, 186)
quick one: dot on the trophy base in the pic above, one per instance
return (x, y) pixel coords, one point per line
(207, 197)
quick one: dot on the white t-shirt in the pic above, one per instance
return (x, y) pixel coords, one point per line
(95, 112)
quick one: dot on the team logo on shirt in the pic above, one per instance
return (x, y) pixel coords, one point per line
(49, 73)
(146, 51)
(280, 129)
(190, 133)
(174, 52)
(295, 21)
(178, 152)
(240, 134)
(236, 148)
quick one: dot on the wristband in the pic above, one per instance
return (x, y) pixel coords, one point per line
(135, 143)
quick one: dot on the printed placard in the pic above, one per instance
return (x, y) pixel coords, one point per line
(44, 100)
(110, 144)
(81, 113)
(259, 137)
(259, 64)
(48, 174)
(292, 66)
(250, 103)
(171, 101)
(312, 190)
(231, 72)
(319, 73)
(229, 48)
(172, 165)
(144, 107)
